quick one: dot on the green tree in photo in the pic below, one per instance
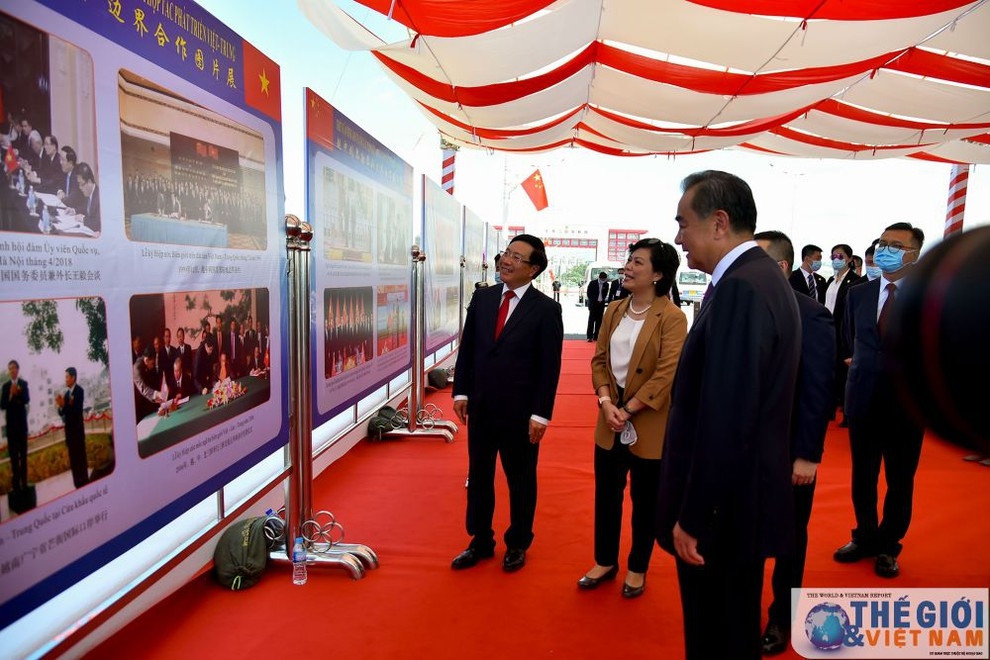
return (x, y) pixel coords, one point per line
(42, 328)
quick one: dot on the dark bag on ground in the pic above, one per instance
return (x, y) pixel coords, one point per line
(437, 378)
(241, 554)
(384, 420)
(22, 500)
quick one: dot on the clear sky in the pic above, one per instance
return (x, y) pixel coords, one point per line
(814, 201)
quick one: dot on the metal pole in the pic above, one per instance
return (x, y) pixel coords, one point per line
(321, 532)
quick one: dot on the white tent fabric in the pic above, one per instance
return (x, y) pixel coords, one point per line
(870, 79)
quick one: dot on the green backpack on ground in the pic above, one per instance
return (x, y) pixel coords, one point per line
(241, 554)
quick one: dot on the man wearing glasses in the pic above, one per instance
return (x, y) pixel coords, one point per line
(508, 365)
(880, 430)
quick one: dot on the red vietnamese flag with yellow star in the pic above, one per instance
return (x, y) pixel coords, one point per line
(10, 159)
(262, 89)
(533, 185)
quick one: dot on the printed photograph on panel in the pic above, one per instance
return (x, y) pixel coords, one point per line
(55, 411)
(393, 317)
(191, 176)
(348, 329)
(51, 182)
(394, 230)
(349, 219)
(198, 358)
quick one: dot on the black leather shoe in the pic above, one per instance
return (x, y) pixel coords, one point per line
(774, 639)
(470, 558)
(514, 560)
(850, 553)
(886, 566)
(633, 592)
(591, 583)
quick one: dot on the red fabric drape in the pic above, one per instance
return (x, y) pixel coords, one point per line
(456, 18)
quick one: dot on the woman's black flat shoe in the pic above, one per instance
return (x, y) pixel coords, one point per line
(633, 592)
(591, 583)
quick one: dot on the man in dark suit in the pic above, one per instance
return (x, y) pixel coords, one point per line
(596, 297)
(508, 366)
(725, 499)
(813, 408)
(89, 205)
(70, 409)
(183, 350)
(68, 191)
(233, 348)
(180, 382)
(204, 373)
(617, 291)
(806, 279)
(14, 399)
(835, 300)
(880, 428)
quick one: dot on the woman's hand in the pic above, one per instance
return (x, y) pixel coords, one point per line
(615, 417)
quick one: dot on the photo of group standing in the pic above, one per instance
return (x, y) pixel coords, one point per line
(347, 217)
(198, 359)
(55, 410)
(50, 183)
(348, 329)
(393, 317)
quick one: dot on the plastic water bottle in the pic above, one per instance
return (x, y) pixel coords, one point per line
(299, 562)
(46, 220)
(32, 201)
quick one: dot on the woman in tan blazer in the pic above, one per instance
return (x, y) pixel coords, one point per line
(632, 371)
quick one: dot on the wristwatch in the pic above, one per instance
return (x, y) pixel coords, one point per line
(626, 408)
(602, 400)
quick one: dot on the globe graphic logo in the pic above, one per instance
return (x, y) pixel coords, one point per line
(826, 625)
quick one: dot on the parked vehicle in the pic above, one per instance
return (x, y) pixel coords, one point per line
(691, 285)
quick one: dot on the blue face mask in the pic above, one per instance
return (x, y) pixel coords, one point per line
(815, 265)
(873, 272)
(889, 259)
(838, 264)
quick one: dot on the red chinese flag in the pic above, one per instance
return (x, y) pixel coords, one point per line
(533, 185)
(262, 89)
(10, 159)
(319, 120)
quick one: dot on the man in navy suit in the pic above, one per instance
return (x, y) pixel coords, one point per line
(14, 400)
(508, 366)
(814, 404)
(596, 297)
(725, 499)
(805, 279)
(880, 428)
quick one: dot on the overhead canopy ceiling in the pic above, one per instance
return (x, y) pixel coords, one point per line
(854, 79)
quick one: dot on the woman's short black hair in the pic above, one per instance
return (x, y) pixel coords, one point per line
(664, 260)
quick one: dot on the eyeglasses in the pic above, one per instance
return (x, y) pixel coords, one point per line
(893, 248)
(514, 257)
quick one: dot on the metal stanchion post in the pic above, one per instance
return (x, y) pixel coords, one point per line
(322, 533)
(420, 420)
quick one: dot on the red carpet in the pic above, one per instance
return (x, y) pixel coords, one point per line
(405, 499)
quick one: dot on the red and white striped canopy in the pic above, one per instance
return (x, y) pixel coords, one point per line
(854, 79)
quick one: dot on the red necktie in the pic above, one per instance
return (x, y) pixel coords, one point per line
(503, 313)
(885, 312)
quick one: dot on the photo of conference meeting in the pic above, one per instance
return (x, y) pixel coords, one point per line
(56, 419)
(190, 175)
(50, 180)
(394, 230)
(348, 329)
(198, 358)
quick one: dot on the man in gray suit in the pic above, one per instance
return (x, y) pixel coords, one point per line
(725, 501)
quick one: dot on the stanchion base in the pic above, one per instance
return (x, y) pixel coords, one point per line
(367, 556)
(443, 433)
(330, 558)
(446, 424)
